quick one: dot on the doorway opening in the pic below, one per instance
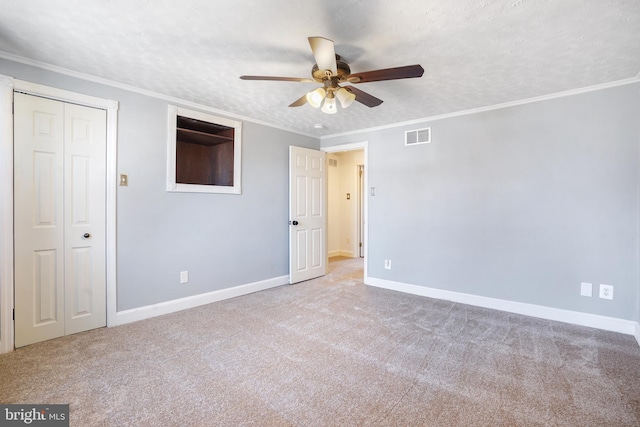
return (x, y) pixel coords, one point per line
(347, 203)
(360, 214)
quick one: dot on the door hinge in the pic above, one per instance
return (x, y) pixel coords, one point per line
(360, 244)
(14, 314)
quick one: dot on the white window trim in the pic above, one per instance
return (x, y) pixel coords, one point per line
(172, 185)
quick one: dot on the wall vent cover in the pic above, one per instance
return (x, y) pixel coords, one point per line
(333, 162)
(418, 136)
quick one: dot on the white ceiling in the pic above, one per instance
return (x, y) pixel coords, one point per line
(475, 53)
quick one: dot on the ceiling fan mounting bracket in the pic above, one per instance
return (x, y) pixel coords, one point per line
(322, 75)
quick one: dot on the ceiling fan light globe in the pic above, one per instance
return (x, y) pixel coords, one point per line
(345, 97)
(315, 97)
(329, 106)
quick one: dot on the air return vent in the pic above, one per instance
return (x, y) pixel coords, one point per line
(418, 136)
(333, 162)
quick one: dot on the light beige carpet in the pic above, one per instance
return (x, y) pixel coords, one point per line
(334, 352)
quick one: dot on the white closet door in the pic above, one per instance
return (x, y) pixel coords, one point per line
(84, 218)
(59, 187)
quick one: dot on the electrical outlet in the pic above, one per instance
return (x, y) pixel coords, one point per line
(606, 291)
(387, 264)
(184, 277)
(586, 289)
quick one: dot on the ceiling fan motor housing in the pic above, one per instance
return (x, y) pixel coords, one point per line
(333, 73)
(323, 75)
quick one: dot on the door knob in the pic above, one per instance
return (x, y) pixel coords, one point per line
(86, 235)
(295, 223)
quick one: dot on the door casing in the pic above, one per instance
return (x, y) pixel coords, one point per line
(360, 216)
(59, 196)
(364, 145)
(7, 87)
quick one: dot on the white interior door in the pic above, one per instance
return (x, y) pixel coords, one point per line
(59, 218)
(85, 198)
(38, 219)
(307, 214)
(361, 211)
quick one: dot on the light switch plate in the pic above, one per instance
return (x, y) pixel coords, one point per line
(586, 289)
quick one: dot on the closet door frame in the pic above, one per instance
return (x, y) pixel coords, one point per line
(7, 87)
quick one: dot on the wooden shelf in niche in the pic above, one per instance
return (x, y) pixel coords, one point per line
(204, 152)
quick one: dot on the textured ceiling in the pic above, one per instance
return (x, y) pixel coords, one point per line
(475, 53)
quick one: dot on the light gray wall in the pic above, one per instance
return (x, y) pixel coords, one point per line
(222, 240)
(520, 203)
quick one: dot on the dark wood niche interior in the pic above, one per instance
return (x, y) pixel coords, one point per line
(204, 152)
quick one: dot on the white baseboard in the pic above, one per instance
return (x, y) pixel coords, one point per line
(348, 254)
(149, 311)
(613, 324)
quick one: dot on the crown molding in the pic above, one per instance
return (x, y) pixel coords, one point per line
(171, 99)
(190, 104)
(492, 107)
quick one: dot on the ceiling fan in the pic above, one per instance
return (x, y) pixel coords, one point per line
(332, 71)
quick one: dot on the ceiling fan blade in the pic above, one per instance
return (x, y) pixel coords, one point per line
(363, 97)
(300, 101)
(278, 79)
(325, 53)
(406, 72)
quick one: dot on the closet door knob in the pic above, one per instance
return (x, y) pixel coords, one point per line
(86, 235)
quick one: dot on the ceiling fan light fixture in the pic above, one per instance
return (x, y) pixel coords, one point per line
(315, 97)
(331, 70)
(329, 106)
(345, 97)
